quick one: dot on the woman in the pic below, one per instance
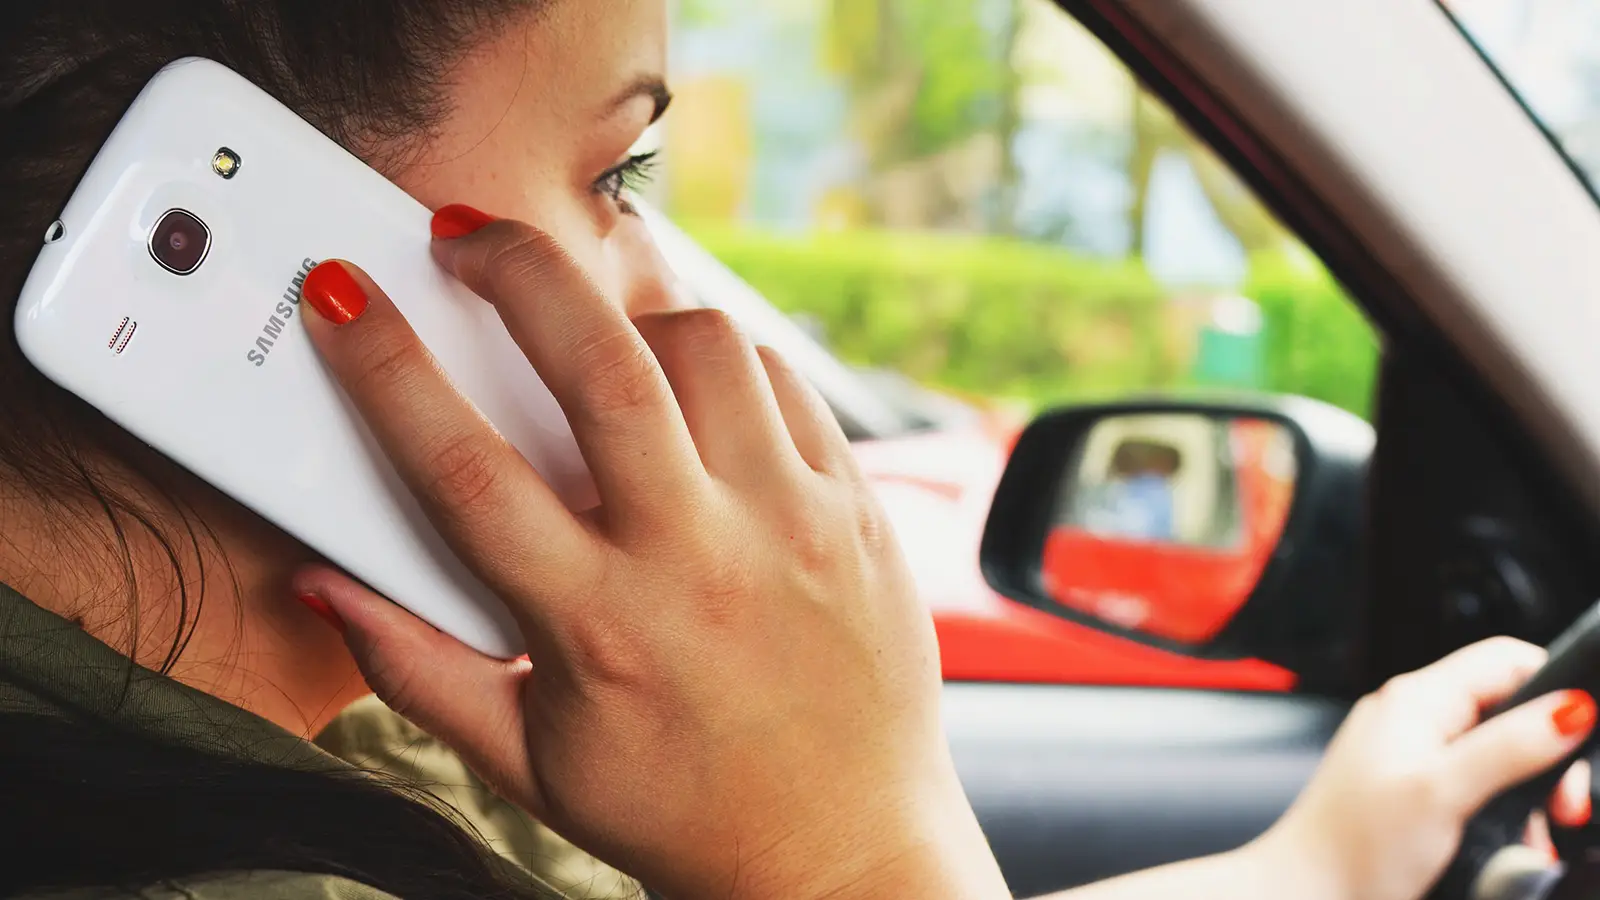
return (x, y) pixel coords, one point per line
(735, 691)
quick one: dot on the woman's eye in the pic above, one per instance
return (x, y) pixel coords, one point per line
(629, 176)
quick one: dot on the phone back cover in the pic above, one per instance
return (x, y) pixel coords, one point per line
(214, 369)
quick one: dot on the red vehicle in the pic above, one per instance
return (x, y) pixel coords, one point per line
(937, 487)
(1183, 588)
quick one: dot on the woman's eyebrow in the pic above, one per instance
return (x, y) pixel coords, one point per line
(652, 86)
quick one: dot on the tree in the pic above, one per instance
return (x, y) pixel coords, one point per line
(925, 78)
(1157, 132)
(1005, 219)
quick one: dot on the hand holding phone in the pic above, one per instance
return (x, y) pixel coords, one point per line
(737, 643)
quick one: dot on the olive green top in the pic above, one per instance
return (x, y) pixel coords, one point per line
(50, 666)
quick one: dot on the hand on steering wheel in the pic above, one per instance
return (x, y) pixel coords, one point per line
(1384, 815)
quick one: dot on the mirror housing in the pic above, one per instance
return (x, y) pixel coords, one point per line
(1285, 593)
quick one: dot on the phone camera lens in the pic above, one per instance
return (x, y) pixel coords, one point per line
(180, 242)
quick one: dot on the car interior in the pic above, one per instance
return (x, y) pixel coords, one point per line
(1478, 503)
(1390, 145)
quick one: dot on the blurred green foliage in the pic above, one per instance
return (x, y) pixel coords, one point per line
(1009, 320)
(1318, 342)
(949, 71)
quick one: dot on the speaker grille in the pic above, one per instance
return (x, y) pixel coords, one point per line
(122, 336)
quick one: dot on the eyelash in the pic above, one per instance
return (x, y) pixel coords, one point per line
(631, 175)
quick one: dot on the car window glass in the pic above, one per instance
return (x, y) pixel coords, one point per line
(973, 197)
(974, 205)
(1548, 53)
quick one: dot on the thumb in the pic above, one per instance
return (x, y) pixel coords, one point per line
(470, 701)
(1519, 744)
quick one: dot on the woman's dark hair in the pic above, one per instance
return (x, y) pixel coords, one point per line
(89, 805)
(117, 808)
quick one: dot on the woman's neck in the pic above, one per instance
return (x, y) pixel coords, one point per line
(205, 600)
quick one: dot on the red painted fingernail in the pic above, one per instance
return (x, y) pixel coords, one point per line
(321, 608)
(458, 221)
(334, 293)
(1575, 715)
(1585, 812)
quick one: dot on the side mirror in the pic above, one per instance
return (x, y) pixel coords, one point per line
(1218, 531)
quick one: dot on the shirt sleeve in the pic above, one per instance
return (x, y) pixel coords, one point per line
(371, 736)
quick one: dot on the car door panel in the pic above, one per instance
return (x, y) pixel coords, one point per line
(1074, 783)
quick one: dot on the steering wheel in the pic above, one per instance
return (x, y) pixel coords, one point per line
(1491, 863)
(1513, 871)
(1494, 864)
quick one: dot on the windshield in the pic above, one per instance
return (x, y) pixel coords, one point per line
(1548, 51)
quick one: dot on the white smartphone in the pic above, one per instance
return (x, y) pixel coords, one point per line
(166, 296)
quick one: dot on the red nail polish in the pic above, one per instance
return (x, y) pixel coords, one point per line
(321, 608)
(1585, 812)
(1575, 715)
(334, 293)
(458, 221)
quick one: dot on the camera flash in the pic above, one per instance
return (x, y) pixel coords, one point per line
(226, 163)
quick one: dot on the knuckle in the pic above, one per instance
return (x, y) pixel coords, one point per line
(460, 471)
(1513, 652)
(873, 529)
(522, 257)
(870, 528)
(813, 547)
(606, 655)
(1502, 643)
(1500, 654)
(606, 648)
(1526, 746)
(391, 678)
(704, 327)
(814, 533)
(1425, 789)
(1367, 706)
(620, 375)
(385, 363)
(1397, 688)
(693, 335)
(723, 599)
(696, 335)
(775, 363)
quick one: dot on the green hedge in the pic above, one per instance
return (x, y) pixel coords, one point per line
(1318, 342)
(1009, 320)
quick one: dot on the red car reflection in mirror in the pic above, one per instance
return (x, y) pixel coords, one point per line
(1182, 577)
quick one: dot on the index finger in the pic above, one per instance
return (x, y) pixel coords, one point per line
(614, 393)
(487, 501)
(1473, 679)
